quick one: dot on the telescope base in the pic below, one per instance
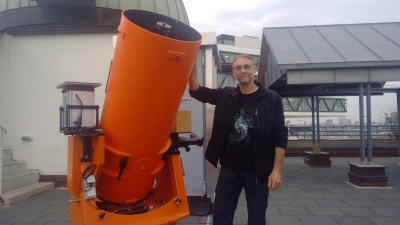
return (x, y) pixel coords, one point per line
(166, 204)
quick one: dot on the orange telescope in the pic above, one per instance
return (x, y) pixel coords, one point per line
(152, 62)
(128, 169)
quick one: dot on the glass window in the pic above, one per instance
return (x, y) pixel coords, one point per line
(229, 42)
(228, 57)
(225, 79)
(304, 104)
(226, 42)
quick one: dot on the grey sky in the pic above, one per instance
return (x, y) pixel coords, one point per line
(238, 17)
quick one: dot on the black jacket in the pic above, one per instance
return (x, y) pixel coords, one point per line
(269, 124)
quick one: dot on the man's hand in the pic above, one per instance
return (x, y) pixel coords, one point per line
(274, 180)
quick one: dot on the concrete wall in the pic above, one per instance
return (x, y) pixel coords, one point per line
(31, 67)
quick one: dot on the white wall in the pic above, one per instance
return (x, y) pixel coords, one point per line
(31, 66)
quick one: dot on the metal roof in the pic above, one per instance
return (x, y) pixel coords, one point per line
(344, 54)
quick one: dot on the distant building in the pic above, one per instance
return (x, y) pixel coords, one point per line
(344, 121)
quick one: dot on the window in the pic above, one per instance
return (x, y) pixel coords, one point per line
(228, 57)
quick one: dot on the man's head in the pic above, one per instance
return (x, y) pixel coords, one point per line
(243, 69)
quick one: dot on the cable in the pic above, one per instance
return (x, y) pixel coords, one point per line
(80, 116)
(90, 168)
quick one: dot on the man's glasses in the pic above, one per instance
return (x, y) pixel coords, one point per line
(245, 67)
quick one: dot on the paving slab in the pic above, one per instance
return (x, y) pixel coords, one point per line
(360, 202)
(387, 202)
(55, 218)
(318, 220)
(326, 211)
(358, 211)
(291, 210)
(385, 220)
(302, 202)
(283, 219)
(387, 211)
(310, 195)
(331, 202)
(350, 220)
(27, 217)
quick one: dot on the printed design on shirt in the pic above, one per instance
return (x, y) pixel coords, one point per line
(242, 123)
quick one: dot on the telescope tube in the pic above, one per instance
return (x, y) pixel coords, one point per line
(153, 58)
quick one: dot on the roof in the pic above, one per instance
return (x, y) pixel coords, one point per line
(331, 54)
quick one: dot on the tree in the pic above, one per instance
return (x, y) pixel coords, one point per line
(390, 119)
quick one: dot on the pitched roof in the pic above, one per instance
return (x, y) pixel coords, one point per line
(328, 48)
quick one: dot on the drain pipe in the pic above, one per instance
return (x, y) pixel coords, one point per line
(2, 131)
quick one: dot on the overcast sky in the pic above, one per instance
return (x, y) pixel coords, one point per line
(249, 17)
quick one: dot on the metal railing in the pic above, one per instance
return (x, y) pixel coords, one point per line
(347, 132)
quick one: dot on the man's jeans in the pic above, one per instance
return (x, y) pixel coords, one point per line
(229, 187)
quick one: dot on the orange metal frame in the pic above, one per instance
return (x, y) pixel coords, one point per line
(168, 195)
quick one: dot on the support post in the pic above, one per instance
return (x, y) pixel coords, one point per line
(316, 158)
(369, 134)
(370, 174)
(313, 119)
(398, 124)
(318, 137)
(362, 143)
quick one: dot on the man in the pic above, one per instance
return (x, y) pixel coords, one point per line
(249, 138)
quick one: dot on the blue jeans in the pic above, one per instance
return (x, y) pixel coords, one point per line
(229, 186)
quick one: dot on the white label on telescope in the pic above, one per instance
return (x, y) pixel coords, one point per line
(114, 40)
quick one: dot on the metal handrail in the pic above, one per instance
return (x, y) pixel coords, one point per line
(3, 130)
(345, 132)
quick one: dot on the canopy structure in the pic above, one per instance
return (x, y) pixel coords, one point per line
(333, 60)
(330, 60)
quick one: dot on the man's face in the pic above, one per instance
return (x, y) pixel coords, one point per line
(243, 71)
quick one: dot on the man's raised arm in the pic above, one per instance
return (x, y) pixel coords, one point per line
(193, 81)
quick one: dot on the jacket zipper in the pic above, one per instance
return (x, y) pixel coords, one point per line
(255, 161)
(255, 144)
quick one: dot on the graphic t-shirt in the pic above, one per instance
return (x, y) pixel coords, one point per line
(239, 152)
